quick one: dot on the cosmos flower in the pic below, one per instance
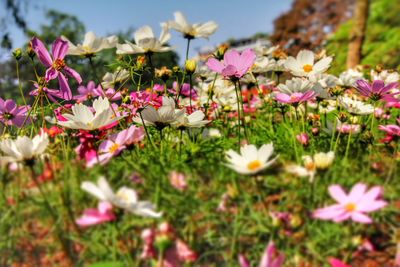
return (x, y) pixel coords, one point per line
(83, 118)
(113, 80)
(352, 206)
(319, 161)
(295, 98)
(386, 76)
(91, 45)
(194, 120)
(55, 64)
(355, 107)
(377, 90)
(392, 132)
(125, 198)
(250, 160)
(11, 114)
(304, 64)
(349, 77)
(234, 65)
(102, 214)
(295, 85)
(191, 31)
(23, 149)
(270, 258)
(115, 144)
(146, 42)
(163, 116)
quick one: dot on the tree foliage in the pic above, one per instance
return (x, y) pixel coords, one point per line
(309, 22)
(382, 41)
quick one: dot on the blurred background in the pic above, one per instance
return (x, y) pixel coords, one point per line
(353, 31)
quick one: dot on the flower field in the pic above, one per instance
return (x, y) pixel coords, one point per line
(246, 157)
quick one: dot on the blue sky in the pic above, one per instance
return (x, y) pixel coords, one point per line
(236, 18)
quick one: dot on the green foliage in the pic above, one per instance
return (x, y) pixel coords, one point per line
(382, 42)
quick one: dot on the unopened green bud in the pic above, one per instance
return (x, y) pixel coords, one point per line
(17, 53)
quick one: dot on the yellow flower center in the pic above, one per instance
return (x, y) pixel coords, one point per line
(254, 165)
(113, 148)
(59, 64)
(307, 68)
(310, 166)
(350, 207)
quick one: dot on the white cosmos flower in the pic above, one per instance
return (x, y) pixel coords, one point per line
(295, 85)
(125, 198)
(191, 31)
(355, 107)
(194, 120)
(386, 76)
(146, 42)
(349, 77)
(163, 116)
(250, 160)
(110, 80)
(304, 64)
(91, 44)
(320, 161)
(23, 148)
(322, 84)
(83, 118)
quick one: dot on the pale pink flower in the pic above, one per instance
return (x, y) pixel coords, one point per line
(295, 98)
(352, 206)
(271, 258)
(303, 139)
(116, 144)
(102, 214)
(234, 65)
(178, 180)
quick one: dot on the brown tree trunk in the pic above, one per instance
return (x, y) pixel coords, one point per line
(357, 35)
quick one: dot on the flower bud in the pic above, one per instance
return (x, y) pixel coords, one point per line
(190, 66)
(221, 51)
(17, 53)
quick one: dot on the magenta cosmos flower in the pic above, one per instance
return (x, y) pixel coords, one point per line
(295, 98)
(392, 132)
(11, 114)
(234, 65)
(377, 90)
(55, 64)
(352, 206)
(102, 214)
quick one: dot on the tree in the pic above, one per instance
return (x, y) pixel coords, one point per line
(357, 33)
(309, 22)
(381, 45)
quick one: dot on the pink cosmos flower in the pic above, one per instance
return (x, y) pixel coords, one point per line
(271, 258)
(176, 255)
(352, 206)
(377, 90)
(178, 180)
(55, 64)
(303, 139)
(392, 132)
(92, 91)
(97, 216)
(235, 65)
(116, 144)
(337, 263)
(11, 114)
(295, 98)
(88, 92)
